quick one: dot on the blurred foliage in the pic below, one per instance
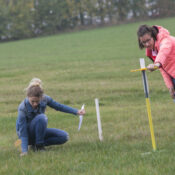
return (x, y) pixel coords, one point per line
(23, 19)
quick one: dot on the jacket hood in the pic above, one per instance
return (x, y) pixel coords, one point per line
(163, 33)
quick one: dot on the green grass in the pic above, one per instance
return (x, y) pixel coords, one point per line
(76, 68)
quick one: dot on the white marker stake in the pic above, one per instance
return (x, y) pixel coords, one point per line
(98, 120)
(80, 119)
(144, 77)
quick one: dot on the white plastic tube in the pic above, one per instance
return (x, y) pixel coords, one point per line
(98, 120)
(80, 119)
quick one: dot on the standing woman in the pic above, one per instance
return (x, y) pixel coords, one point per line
(160, 48)
(31, 124)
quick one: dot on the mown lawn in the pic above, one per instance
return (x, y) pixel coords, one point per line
(76, 68)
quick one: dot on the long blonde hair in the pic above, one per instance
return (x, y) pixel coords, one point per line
(35, 88)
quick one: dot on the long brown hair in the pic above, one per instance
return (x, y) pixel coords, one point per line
(144, 29)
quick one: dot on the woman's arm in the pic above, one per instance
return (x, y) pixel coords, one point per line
(60, 107)
(22, 130)
(168, 82)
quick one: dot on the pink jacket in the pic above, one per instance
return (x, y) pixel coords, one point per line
(165, 46)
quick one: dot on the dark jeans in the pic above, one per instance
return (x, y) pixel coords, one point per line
(173, 80)
(40, 134)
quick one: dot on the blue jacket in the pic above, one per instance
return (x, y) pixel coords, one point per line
(26, 113)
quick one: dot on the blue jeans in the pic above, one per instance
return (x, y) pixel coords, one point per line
(173, 81)
(40, 134)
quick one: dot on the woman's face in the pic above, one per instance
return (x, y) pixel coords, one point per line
(147, 41)
(34, 101)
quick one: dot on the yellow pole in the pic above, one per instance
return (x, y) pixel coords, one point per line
(146, 90)
(150, 123)
(141, 69)
(135, 70)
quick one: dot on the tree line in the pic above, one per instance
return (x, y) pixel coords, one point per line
(31, 18)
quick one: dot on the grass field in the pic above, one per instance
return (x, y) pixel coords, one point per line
(76, 68)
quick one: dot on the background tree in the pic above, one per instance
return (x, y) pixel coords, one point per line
(51, 16)
(4, 18)
(19, 19)
(161, 8)
(121, 9)
(138, 8)
(23, 19)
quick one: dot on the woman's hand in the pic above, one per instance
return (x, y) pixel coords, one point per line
(172, 92)
(81, 112)
(152, 67)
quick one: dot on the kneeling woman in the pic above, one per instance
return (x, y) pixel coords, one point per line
(31, 124)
